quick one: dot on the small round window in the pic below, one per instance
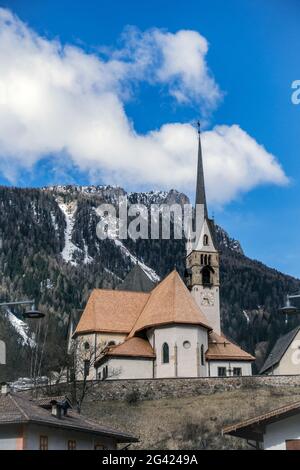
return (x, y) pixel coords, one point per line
(186, 345)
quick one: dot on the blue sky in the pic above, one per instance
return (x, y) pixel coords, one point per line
(253, 58)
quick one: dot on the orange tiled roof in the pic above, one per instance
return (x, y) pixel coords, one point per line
(170, 302)
(111, 311)
(220, 348)
(132, 347)
(129, 312)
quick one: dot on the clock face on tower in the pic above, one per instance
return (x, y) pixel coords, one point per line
(207, 299)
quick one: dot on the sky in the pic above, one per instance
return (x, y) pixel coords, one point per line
(101, 92)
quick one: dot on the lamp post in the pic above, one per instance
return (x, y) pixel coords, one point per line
(32, 313)
(288, 308)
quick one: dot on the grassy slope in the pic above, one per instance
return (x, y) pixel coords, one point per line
(192, 422)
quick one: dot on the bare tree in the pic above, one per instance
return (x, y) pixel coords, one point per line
(82, 359)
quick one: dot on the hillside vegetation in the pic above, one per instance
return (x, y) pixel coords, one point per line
(192, 422)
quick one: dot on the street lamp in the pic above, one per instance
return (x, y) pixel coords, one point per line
(288, 308)
(33, 313)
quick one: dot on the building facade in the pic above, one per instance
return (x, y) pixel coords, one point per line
(278, 429)
(51, 424)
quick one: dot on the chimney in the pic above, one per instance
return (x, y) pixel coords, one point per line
(4, 388)
(56, 409)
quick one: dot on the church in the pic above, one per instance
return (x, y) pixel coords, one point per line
(172, 329)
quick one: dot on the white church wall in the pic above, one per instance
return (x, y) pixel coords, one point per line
(290, 361)
(277, 433)
(213, 366)
(127, 368)
(184, 343)
(97, 341)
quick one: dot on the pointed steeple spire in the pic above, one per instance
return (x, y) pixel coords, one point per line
(200, 188)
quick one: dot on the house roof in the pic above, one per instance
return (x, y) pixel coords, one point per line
(15, 408)
(136, 281)
(111, 310)
(170, 302)
(253, 428)
(279, 349)
(132, 347)
(220, 348)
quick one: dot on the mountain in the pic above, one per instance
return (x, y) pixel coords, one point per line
(50, 253)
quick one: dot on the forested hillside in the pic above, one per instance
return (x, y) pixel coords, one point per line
(50, 253)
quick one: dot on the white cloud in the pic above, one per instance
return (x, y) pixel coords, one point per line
(58, 99)
(235, 163)
(177, 61)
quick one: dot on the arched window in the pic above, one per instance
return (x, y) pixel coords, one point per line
(209, 260)
(202, 258)
(205, 259)
(165, 354)
(86, 345)
(205, 240)
(202, 355)
(206, 276)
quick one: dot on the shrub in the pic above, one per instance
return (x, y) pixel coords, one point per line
(133, 397)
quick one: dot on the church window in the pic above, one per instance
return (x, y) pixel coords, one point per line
(205, 240)
(206, 281)
(205, 259)
(202, 355)
(86, 368)
(209, 260)
(202, 259)
(86, 345)
(186, 345)
(165, 354)
(237, 371)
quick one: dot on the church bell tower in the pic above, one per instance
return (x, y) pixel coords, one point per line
(202, 260)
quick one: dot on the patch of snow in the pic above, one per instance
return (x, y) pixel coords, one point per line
(54, 223)
(113, 274)
(247, 316)
(149, 271)
(68, 210)
(87, 258)
(21, 328)
(47, 284)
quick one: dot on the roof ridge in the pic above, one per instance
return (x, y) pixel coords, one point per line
(13, 398)
(262, 417)
(149, 297)
(291, 335)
